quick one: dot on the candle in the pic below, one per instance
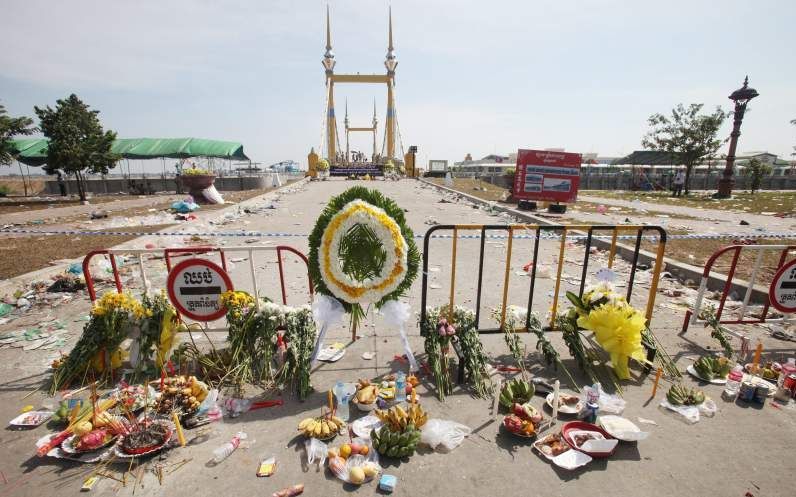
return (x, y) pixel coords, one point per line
(178, 428)
(331, 403)
(162, 379)
(556, 387)
(657, 380)
(758, 351)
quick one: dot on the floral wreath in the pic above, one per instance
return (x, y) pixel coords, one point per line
(362, 251)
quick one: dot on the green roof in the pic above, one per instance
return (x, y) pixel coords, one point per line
(649, 158)
(33, 151)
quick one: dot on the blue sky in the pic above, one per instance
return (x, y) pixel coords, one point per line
(473, 76)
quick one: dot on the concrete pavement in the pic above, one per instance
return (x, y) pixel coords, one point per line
(741, 449)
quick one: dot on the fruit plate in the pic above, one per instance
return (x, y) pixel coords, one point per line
(622, 428)
(576, 427)
(85, 457)
(362, 426)
(693, 372)
(68, 445)
(518, 435)
(31, 419)
(564, 408)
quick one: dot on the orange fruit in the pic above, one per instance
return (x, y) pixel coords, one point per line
(345, 451)
(363, 451)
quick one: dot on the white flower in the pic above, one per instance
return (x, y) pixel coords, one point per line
(373, 290)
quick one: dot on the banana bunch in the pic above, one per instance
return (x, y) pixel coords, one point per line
(395, 443)
(321, 427)
(709, 367)
(366, 392)
(679, 395)
(516, 391)
(397, 419)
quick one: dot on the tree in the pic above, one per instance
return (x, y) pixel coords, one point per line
(687, 134)
(756, 170)
(78, 143)
(9, 127)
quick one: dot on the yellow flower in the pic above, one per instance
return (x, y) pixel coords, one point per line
(617, 329)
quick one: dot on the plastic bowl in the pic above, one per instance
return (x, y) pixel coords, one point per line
(583, 426)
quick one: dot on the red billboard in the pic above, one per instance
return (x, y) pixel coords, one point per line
(550, 176)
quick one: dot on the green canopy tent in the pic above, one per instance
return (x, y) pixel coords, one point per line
(33, 151)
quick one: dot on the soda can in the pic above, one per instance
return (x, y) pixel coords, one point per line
(790, 382)
(761, 393)
(747, 391)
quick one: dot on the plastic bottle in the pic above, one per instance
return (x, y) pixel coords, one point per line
(400, 387)
(228, 448)
(734, 381)
(342, 400)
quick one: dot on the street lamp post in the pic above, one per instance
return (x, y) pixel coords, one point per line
(741, 97)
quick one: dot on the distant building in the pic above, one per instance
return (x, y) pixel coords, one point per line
(437, 165)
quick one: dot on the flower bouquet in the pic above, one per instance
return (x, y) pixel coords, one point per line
(110, 321)
(440, 330)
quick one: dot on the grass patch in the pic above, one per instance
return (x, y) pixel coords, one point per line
(23, 254)
(768, 201)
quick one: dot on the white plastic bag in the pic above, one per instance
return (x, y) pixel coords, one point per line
(316, 451)
(691, 414)
(212, 195)
(445, 433)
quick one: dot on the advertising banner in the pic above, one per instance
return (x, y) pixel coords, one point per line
(549, 176)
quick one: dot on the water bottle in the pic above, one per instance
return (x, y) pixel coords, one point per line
(734, 381)
(400, 387)
(228, 448)
(342, 400)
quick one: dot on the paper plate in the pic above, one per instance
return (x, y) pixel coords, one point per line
(693, 372)
(571, 459)
(756, 380)
(621, 428)
(31, 419)
(564, 408)
(541, 442)
(362, 426)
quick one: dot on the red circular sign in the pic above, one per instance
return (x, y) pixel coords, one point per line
(782, 292)
(195, 287)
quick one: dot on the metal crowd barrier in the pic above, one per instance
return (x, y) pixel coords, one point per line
(562, 231)
(170, 253)
(692, 316)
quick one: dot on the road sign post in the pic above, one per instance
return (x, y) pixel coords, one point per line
(195, 287)
(782, 292)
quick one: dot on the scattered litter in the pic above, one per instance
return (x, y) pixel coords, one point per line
(99, 214)
(368, 355)
(434, 286)
(5, 309)
(184, 206)
(743, 223)
(647, 421)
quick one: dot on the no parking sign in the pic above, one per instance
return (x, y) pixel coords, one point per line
(195, 287)
(782, 292)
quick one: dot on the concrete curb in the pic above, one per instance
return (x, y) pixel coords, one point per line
(682, 271)
(9, 285)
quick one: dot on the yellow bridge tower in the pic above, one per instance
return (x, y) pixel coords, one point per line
(333, 155)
